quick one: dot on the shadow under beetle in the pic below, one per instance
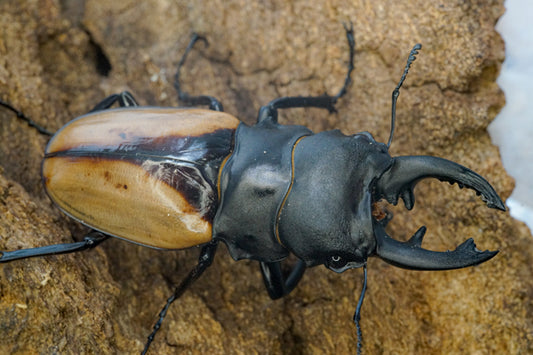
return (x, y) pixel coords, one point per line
(192, 177)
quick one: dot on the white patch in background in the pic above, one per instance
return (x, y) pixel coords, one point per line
(512, 130)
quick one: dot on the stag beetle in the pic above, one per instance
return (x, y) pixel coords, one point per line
(172, 178)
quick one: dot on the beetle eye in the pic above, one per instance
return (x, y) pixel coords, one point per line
(336, 262)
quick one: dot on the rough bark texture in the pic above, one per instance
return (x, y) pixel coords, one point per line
(59, 58)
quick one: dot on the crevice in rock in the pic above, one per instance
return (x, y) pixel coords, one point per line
(101, 61)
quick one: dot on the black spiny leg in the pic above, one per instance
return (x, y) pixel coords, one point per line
(204, 261)
(275, 283)
(90, 241)
(269, 112)
(210, 101)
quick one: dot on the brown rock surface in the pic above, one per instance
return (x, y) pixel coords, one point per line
(54, 59)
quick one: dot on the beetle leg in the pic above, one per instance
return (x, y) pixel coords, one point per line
(213, 103)
(204, 261)
(275, 283)
(269, 112)
(25, 118)
(90, 241)
(124, 99)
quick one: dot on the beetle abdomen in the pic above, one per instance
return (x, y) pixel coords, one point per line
(148, 175)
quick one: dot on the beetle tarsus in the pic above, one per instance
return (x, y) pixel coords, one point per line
(269, 111)
(25, 118)
(204, 261)
(90, 241)
(210, 101)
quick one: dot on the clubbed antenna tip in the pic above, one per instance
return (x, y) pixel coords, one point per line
(396, 92)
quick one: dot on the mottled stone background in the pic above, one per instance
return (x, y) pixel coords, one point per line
(59, 58)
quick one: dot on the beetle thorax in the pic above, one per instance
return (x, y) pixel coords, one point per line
(253, 183)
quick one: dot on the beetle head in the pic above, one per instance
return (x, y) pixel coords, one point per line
(328, 216)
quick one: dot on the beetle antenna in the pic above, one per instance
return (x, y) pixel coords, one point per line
(357, 315)
(28, 120)
(396, 92)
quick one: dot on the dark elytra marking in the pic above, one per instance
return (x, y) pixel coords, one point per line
(188, 164)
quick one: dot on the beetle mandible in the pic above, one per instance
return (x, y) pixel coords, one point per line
(192, 177)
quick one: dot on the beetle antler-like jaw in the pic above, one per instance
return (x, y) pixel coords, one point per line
(398, 182)
(405, 172)
(410, 254)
